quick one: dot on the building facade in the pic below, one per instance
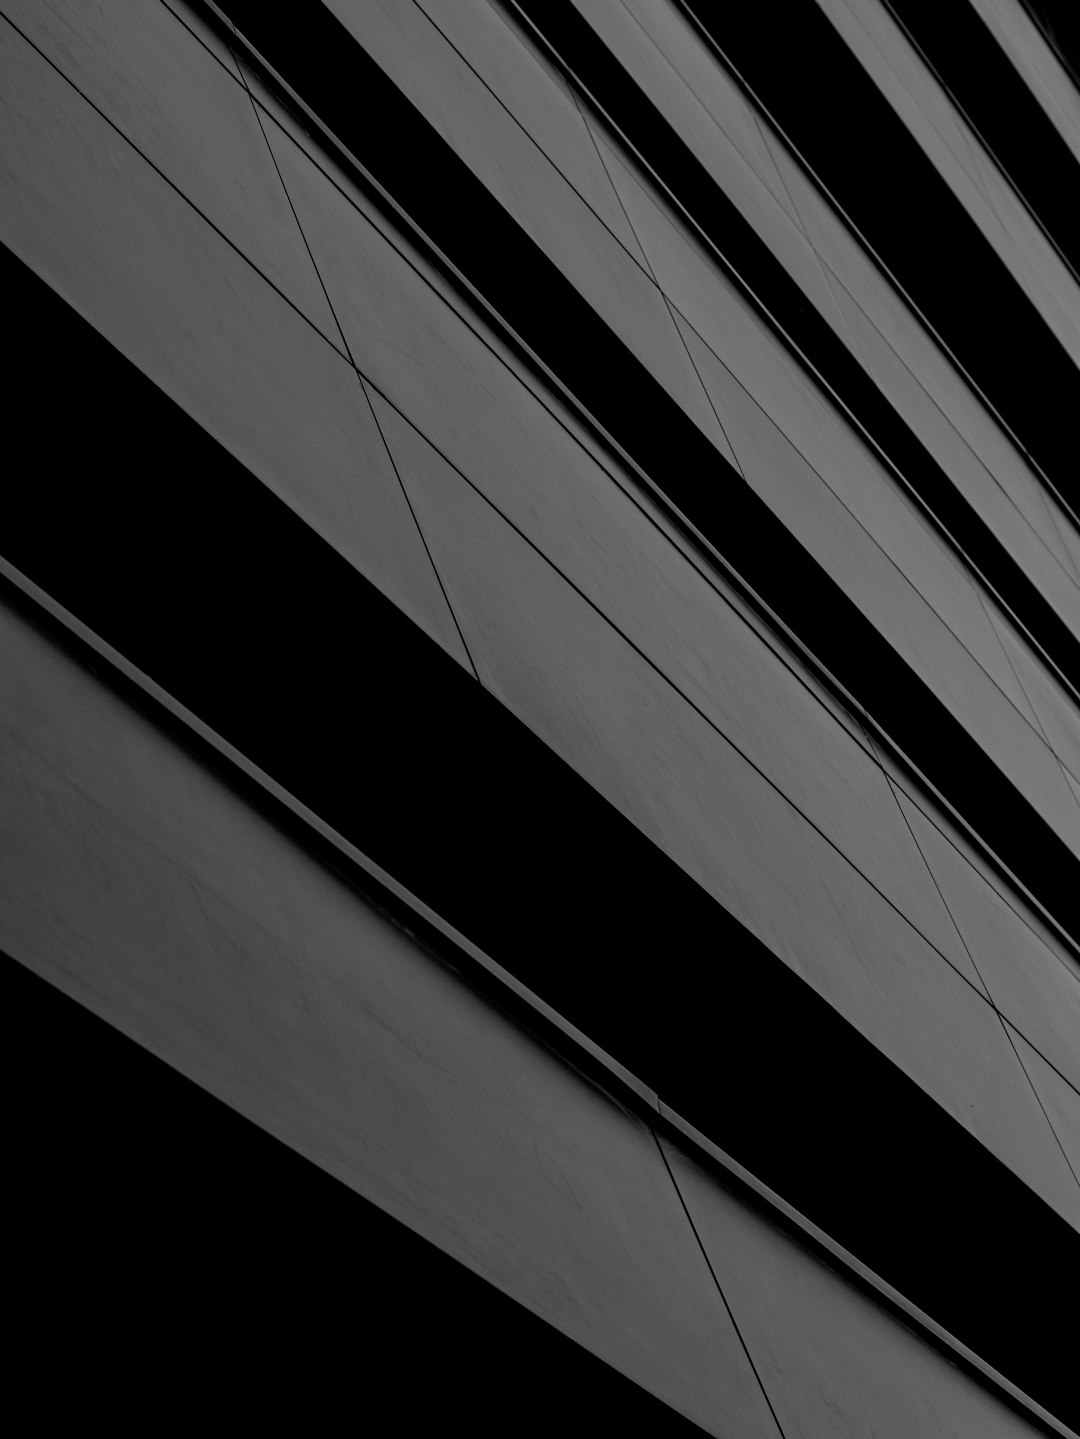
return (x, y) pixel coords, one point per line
(541, 688)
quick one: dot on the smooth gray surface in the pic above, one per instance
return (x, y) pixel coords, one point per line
(151, 894)
(712, 116)
(887, 56)
(820, 1348)
(155, 81)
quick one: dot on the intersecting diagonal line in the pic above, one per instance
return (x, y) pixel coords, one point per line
(719, 1287)
(355, 367)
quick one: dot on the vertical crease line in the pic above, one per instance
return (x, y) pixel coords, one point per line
(719, 1287)
(660, 289)
(356, 370)
(967, 949)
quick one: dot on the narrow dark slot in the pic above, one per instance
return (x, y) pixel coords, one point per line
(876, 171)
(1002, 110)
(181, 1258)
(170, 550)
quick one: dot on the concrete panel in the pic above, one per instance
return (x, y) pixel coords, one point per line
(95, 221)
(142, 887)
(834, 1366)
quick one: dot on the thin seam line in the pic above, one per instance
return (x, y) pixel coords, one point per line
(627, 494)
(177, 190)
(719, 360)
(347, 356)
(356, 371)
(722, 564)
(692, 705)
(530, 137)
(1038, 1098)
(1066, 772)
(684, 555)
(713, 45)
(716, 1281)
(933, 878)
(993, 1004)
(663, 293)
